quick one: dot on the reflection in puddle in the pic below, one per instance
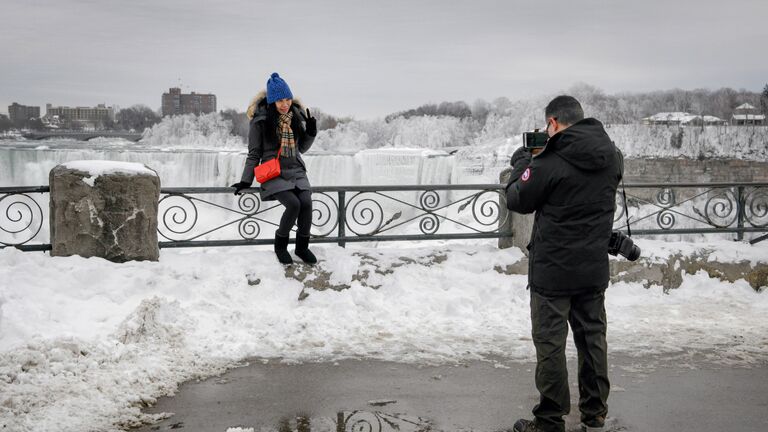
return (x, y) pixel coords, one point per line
(356, 421)
(363, 421)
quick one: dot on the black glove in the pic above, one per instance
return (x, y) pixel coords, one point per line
(521, 156)
(520, 160)
(311, 123)
(240, 186)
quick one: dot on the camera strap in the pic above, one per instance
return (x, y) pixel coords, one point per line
(620, 156)
(626, 209)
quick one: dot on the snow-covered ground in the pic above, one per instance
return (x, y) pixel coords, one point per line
(85, 343)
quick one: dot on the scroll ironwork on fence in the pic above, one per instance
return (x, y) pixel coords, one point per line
(694, 208)
(23, 215)
(341, 214)
(205, 217)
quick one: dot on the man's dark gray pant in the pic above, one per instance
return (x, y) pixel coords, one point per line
(549, 318)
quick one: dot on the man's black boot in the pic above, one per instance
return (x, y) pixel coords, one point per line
(281, 249)
(302, 250)
(596, 424)
(524, 425)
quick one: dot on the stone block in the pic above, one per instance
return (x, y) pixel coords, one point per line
(519, 224)
(104, 209)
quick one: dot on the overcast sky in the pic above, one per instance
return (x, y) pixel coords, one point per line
(371, 58)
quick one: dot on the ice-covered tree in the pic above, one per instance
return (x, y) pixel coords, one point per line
(239, 120)
(5, 123)
(136, 117)
(192, 131)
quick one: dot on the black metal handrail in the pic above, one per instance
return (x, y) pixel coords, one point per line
(342, 214)
(22, 217)
(703, 208)
(345, 214)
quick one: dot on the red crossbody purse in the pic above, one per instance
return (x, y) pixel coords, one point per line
(269, 169)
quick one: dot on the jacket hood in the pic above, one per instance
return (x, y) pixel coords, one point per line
(257, 109)
(585, 145)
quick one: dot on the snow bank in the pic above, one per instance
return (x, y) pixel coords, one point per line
(85, 343)
(721, 251)
(96, 168)
(101, 167)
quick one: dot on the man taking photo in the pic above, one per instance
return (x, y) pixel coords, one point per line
(571, 185)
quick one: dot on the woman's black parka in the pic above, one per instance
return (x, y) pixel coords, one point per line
(263, 146)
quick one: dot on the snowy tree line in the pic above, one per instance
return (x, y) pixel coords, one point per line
(496, 140)
(622, 108)
(137, 118)
(482, 120)
(451, 125)
(205, 131)
(457, 124)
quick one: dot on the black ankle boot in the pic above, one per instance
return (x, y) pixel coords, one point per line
(281, 249)
(302, 250)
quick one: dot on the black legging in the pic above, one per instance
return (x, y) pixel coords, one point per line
(298, 205)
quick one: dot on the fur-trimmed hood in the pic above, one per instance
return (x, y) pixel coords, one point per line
(258, 106)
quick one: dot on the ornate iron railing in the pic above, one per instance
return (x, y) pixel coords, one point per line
(194, 217)
(341, 214)
(357, 421)
(694, 208)
(23, 216)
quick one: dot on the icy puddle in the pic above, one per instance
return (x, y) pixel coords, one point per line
(648, 393)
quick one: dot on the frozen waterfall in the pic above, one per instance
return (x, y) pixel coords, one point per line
(22, 164)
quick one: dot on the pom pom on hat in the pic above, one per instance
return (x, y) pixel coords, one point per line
(277, 89)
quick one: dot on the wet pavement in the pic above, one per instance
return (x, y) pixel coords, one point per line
(648, 394)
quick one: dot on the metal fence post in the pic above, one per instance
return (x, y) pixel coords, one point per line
(740, 213)
(342, 218)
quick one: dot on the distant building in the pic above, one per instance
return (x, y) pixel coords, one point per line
(175, 103)
(87, 115)
(22, 113)
(683, 119)
(746, 114)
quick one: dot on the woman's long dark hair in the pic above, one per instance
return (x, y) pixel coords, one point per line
(272, 118)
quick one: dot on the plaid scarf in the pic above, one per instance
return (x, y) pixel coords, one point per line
(285, 135)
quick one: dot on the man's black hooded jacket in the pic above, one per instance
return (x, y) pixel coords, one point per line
(571, 185)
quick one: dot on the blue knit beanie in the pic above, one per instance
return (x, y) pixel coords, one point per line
(277, 89)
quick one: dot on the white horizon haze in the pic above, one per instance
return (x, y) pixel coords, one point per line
(370, 59)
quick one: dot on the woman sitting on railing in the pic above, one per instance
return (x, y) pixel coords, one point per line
(281, 130)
